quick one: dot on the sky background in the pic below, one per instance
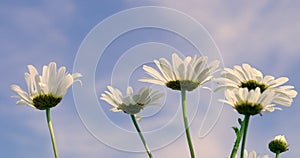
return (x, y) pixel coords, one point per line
(264, 34)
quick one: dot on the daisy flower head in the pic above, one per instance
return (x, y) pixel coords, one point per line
(131, 103)
(187, 73)
(252, 154)
(246, 76)
(250, 102)
(279, 144)
(46, 90)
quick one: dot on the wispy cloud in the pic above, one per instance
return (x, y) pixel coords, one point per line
(262, 33)
(253, 31)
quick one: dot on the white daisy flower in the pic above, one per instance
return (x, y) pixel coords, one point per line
(246, 76)
(47, 90)
(186, 73)
(252, 154)
(250, 102)
(132, 103)
(279, 144)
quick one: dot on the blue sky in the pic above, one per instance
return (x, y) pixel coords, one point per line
(262, 33)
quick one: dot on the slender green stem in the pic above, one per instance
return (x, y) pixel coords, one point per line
(237, 141)
(277, 154)
(51, 132)
(244, 131)
(186, 124)
(236, 146)
(141, 136)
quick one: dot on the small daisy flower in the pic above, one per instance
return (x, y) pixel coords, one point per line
(132, 103)
(252, 154)
(279, 144)
(46, 90)
(246, 76)
(188, 73)
(250, 102)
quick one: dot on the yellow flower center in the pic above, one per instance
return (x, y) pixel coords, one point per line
(44, 101)
(132, 108)
(247, 108)
(185, 84)
(252, 85)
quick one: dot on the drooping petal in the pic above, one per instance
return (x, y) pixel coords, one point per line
(165, 68)
(152, 72)
(152, 80)
(132, 103)
(51, 82)
(21, 94)
(279, 81)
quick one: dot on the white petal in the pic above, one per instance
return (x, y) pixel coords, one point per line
(32, 70)
(181, 72)
(152, 80)
(270, 108)
(248, 70)
(45, 75)
(156, 96)
(22, 102)
(266, 98)
(109, 100)
(164, 69)
(115, 110)
(213, 66)
(189, 72)
(227, 102)
(144, 94)
(76, 75)
(286, 87)
(203, 75)
(61, 88)
(152, 72)
(252, 154)
(21, 94)
(255, 96)
(188, 59)
(241, 73)
(30, 81)
(176, 63)
(129, 91)
(280, 81)
(225, 81)
(268, 79)
(287, 93)
(229, 73)
(199, 65)
(283, 101)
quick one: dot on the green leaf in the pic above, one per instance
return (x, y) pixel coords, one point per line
(236, 130)
(240, 121)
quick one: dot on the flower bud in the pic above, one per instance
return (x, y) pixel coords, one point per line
(278, 144)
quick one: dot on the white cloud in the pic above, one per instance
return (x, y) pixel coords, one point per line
(247, 31)
(35, 34)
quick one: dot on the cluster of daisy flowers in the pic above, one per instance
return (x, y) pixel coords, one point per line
(250, 93)
(246, 89)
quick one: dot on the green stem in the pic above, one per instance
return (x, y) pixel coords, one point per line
(237, 141)
(51, 132)
(141, 136)
(277, 154)
(244, 131)
(186, 124)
